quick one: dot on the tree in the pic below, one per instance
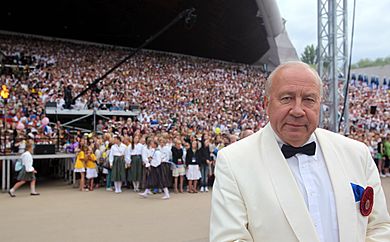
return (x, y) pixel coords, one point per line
(366, 62)
(309, 55)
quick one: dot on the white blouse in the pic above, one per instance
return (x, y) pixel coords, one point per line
(116, 151)
(166, 153)
(27, 161)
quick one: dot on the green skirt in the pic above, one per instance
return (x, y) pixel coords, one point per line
(25, 176)
(135, 171)
(118, 169)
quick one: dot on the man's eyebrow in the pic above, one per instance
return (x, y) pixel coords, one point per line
(292, 93)
(311, 94)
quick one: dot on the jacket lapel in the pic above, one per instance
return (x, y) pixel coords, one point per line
(345, 202)
(286, 188)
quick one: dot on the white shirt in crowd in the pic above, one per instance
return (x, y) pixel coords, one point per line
(145, 154)
(116, 150)
(166, 151)
(155, 154)
(27, 161)
(137, 149)
(184, 154)
(128, 152)
(98, 154)
(156, 158)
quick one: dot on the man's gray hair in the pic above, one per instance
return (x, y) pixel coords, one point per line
(268, 82)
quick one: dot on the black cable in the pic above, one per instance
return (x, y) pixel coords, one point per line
(349, 65)
(185, 13)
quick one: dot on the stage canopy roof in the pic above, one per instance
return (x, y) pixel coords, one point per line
(245, 31)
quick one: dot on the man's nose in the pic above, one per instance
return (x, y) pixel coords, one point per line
(297, 110)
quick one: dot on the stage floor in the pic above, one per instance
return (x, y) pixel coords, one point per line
(62, 213)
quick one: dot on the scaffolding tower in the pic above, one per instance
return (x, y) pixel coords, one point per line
(332, 59)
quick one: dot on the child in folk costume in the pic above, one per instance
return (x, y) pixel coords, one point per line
(27, 173)
(91, 167)
(205, 163)
(98, 154)
(117, 163)
(192, 164)
(136, 162)
(179, 170)
(152, 164)
(105, 151)
(147, 154)
(145, 141)
(79, 166)
(106, 163)
(127, 142)
(166, 163)
(186, 146)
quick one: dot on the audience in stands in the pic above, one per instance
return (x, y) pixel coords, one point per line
(181, 98)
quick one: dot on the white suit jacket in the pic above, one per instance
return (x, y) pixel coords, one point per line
(256, 198)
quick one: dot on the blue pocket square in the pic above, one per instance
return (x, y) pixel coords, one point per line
(357, 191)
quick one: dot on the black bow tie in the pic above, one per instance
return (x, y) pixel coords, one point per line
(289, 151)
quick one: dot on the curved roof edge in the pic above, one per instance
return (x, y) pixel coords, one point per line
(281, 49)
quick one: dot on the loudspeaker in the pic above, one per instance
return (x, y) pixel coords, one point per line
(372, 110)
(51, 105)
(44, 149)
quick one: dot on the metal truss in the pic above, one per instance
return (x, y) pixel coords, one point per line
(332, 58)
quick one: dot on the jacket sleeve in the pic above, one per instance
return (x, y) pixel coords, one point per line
(228, 221)
(207, 154)
(378, 228)
(188, 157)
(174, 155)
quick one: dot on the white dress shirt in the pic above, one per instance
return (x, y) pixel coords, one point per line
(312, 177)
(116, 150)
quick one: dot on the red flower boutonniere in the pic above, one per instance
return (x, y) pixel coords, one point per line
(367, 201)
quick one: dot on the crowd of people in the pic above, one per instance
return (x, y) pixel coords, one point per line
(369, 114)
(170, 90)
(182, 99)
(154, 161)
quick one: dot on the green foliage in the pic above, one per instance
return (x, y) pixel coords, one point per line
(366, 62)
(309, 55)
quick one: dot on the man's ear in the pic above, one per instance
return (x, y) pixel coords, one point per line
(266, 103)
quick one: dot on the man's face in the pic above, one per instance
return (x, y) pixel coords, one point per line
(294, 104)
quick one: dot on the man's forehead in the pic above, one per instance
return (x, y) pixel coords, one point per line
(293, 90)
(296, 79)
(296, 73)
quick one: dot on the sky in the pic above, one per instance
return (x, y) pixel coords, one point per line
(372, 21)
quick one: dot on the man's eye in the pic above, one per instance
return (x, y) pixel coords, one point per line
(286, 99)
(309, 99)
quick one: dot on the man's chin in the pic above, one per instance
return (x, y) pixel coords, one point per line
(295, 138)
(293, 127)
(294, 131)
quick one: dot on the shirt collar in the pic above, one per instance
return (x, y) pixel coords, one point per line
(311, 139)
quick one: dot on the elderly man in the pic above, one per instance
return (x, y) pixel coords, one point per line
(292, 181)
